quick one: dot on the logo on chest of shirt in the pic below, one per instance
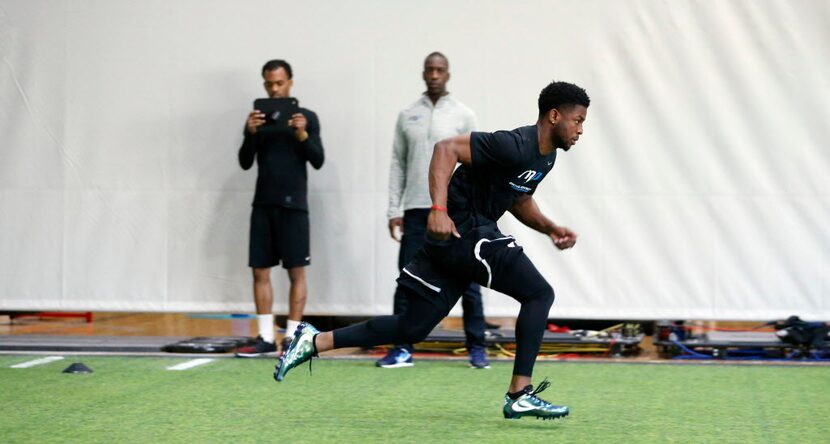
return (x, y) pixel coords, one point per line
(531, 175)
(527, 176)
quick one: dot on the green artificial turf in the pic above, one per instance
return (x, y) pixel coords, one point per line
(135, 399)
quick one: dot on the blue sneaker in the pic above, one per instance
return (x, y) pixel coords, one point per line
(397, 357)
(300, 350)
(478, 358)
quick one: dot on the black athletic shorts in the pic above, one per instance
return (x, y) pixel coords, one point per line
(278, 234)
(442, 270)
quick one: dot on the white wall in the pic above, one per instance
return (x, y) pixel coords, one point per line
(700, 188)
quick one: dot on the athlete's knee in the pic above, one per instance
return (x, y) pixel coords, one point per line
(296, 275)
(417, 334)
(384, 324)
(262, 275)
(412, 332)
(395, 329)
(544, 294)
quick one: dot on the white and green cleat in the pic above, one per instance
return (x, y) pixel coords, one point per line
(301, 350)
(531, 405)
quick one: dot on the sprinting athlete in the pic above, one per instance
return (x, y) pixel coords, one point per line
(500, 171)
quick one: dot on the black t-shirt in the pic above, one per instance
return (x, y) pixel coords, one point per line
(281, 158)
(505, 166)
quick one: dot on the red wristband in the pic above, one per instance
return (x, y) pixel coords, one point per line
(438, 208)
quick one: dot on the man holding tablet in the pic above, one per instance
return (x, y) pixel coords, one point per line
(282, 137)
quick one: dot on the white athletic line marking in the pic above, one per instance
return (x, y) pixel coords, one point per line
(190, 364)
(40, 361)
(427, 284)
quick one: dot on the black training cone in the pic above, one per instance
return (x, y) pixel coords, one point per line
(77, 367)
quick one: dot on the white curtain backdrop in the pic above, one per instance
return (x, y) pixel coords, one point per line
(700, 189)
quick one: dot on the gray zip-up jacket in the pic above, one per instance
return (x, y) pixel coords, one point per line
(419, 127)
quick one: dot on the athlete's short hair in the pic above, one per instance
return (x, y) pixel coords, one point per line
(559, 94)
(438, 54)
(277, 64)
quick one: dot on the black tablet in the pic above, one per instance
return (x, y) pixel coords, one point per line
(277, 112)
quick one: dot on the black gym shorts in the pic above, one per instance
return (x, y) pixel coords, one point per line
(442, 270)
(278, 235)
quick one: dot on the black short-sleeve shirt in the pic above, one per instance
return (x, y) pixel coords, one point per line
(505, 165)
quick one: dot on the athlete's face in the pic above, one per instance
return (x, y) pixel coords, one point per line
(567, 125)
(277, 83)
(436, 75)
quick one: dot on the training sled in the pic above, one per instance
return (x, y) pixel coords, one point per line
(792, 339)
(576, 341)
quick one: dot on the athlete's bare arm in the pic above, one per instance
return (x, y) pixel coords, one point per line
(528, 213)
(445, 155)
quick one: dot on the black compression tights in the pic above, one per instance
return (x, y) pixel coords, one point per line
(530, 327)
(520, 280)
(411, 326)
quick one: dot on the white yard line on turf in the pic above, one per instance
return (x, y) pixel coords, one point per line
(35, 362)
(190, 364)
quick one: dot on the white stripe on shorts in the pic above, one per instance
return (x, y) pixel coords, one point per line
(477, 252)
(426, 284)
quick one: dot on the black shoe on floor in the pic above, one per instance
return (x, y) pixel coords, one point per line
(260, 348)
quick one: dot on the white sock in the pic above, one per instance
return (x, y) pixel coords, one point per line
(266, 327)
(290, 327)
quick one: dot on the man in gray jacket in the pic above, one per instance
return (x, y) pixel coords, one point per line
(436, 115)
